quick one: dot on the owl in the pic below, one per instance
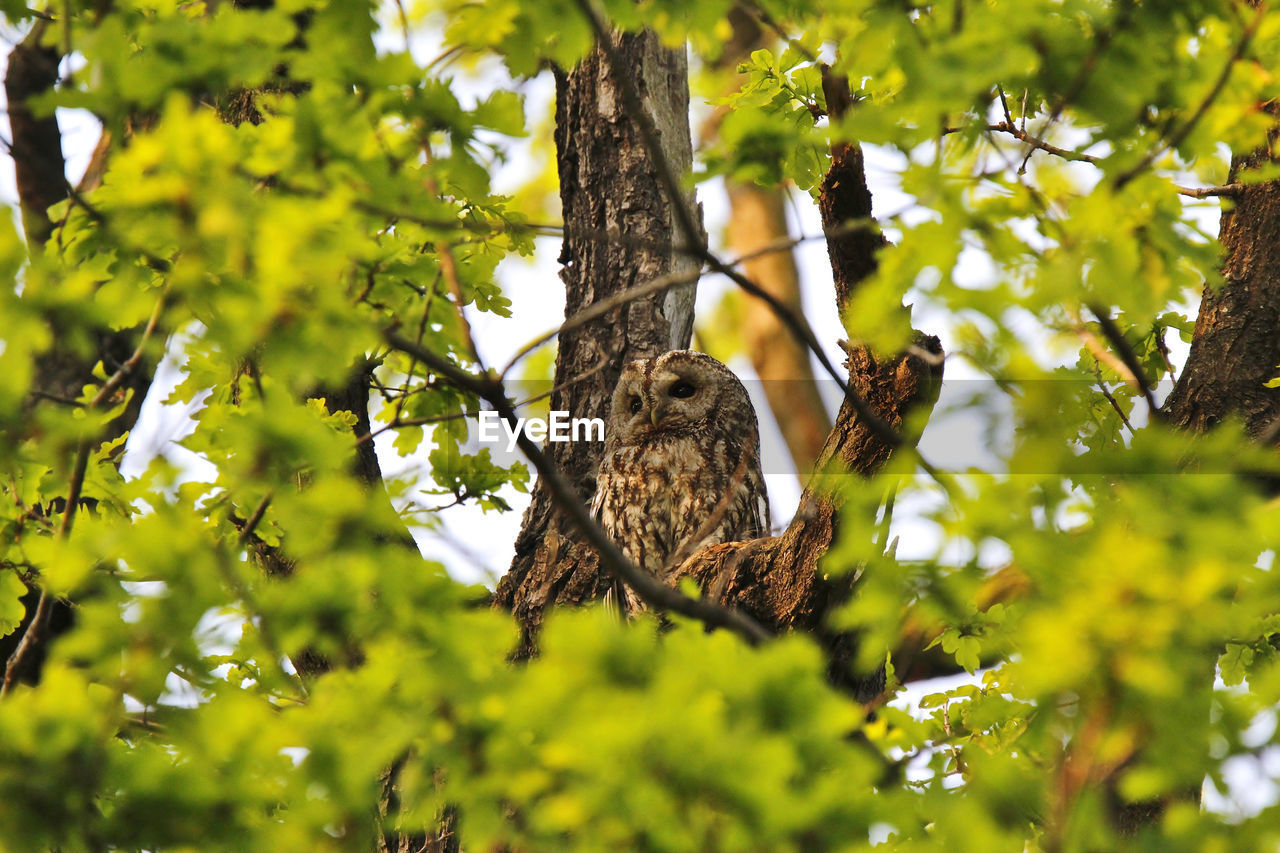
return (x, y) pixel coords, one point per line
(681, 466)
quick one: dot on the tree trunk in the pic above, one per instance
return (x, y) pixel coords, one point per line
(1236, 347)
(619, 232)
(773, 579)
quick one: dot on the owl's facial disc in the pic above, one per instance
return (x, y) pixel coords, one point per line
(675, 401)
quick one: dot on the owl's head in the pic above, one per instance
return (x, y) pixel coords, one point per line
(676, 392)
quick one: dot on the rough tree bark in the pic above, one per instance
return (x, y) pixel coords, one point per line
(1236, 345)
(608, 187)
(67, 366)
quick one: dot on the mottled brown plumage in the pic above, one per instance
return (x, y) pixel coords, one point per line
(681, 466)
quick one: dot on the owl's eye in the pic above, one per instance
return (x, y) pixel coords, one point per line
(635, 405)
(682, 390)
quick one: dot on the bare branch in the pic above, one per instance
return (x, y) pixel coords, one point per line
(640, 291)
(400, 423)
(251, 524)
(1225, 191)
(1004, 105)
(132, 362)
(1036, 142)
(1106, 392)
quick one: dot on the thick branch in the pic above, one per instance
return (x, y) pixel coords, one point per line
(37, 142)
(777, 580)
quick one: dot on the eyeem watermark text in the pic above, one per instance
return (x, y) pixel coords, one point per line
(559, 427)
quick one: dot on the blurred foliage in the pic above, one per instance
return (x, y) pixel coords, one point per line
(170, 717)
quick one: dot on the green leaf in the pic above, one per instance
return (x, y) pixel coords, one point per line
(12, 610)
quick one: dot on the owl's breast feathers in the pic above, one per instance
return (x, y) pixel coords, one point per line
(652, 498)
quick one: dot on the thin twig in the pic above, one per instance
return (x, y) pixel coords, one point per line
(1106, 392)
(130, 364)
(1218, 85)
(656, 594)
(1105, 356)
(1122, 347)
(30, 639)
(599, 309)
(886, 523)
(1225, 191)
(763, 16)
(1164, 356)
(404, 23)
(640, 291)
(413, 364)
(66, 41)
(1004, 105)
(251, 524)
(449, 267)
(449, 270)
(1037, 143)
(801, 330)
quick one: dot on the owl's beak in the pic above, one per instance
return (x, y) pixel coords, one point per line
(655, 415)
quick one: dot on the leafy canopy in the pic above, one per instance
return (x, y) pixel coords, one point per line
(287, 185)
